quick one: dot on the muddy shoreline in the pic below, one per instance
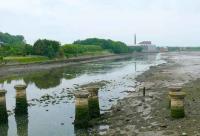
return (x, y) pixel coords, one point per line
(136, 115)
(17, 69)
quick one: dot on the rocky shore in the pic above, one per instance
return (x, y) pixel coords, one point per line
(136, 115)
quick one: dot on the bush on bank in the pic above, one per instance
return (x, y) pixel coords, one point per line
(75, 50)
(112, 46)
(14, 48)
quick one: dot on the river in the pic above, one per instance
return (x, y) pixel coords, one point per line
(55, 116)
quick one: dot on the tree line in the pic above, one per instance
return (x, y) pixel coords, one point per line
(11, 45)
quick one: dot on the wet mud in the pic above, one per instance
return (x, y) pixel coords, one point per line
(136, 115)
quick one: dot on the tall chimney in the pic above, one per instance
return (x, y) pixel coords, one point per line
(135, 40)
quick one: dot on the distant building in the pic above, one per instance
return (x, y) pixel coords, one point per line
(163, 49)
(147, 46)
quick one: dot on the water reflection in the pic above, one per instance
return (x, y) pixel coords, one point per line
(93, 102)
(21, 110)
(55, 115)
(45, 79)
(3, 114)
(82, 110)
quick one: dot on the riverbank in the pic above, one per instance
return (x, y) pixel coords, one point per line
(150, 115)
(16, 69)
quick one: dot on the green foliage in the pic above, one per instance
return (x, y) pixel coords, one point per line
(47, 48)
(11, 45)
(75, 50)
(8, 50)
(28, 49)
(26, 59)
(113, 46)
(1, 58)
(12, 39)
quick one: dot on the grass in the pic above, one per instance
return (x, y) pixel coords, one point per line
(34, 58)
(25, 59)
(96, 53)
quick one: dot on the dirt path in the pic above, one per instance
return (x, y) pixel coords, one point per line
(150, 116)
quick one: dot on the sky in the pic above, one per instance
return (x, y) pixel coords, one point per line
(164, 22)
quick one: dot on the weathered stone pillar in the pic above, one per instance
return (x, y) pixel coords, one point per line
(93, 102)
(81, 110)
(21, 110)
(3, 110)
(177, 104)
(3, 114)
(173, 88)
(21, 100)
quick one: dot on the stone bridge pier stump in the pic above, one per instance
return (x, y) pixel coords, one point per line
(177, 104)
(81, 110)
(3, 110)
(21, 110)
(93, 102)
(21, 100)
(174, 88)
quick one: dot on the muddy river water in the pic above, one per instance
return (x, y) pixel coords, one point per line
(50, 109)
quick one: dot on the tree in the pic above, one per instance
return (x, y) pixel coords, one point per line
(28, 49)
(46, 47)
(112, 46)
(12, 39)
(75, 49)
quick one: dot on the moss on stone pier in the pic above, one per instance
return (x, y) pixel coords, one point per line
(21, 106)
(3, 114)
(82, 116)
(94, 110)
(177, 112)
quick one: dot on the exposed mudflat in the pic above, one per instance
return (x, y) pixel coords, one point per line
(150, 115)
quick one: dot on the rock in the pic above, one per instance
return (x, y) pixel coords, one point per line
(118, 109)
(62, 124)
(163, 125)
(184, 134)
(110, 100)
(140, 104)
(145, 107)
(150, 96)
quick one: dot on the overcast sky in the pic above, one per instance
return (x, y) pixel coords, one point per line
(164, 22)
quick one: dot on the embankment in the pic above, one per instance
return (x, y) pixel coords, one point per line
(14, 69)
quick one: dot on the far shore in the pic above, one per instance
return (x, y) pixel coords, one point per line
(15, 69)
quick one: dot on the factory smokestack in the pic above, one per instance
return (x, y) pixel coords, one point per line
(135, 40)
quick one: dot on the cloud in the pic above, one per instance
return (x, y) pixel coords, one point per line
(163, 22)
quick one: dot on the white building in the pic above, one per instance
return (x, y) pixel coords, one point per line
(147, 46)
